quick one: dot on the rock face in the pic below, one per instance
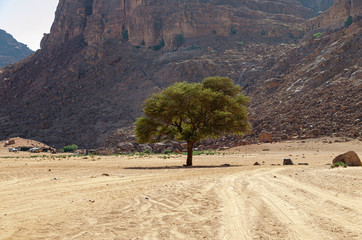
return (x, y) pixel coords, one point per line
(349, 158)
(335, 16)
(103, 58)
(11, 51)
(313, 90)
(147, 22)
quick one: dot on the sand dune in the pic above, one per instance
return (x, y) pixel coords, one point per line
(125, 197)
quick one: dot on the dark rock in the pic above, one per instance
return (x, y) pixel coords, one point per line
(287, 161)
(349, 158)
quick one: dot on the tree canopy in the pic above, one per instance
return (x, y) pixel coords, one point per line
(194, 111)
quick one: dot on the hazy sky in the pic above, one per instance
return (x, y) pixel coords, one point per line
(27, 20)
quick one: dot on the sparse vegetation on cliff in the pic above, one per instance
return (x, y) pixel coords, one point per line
(125, 36)
(159, 46)
(179, 40)
(348, 21)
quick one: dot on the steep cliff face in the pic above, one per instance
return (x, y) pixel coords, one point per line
(335, 16)
(147, 22)
(11, 51)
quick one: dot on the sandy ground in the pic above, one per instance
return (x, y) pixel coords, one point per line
(127, 197)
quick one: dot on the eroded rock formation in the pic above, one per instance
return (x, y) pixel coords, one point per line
(100, 61)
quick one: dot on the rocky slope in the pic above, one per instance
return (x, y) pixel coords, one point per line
(313, 90)
(103, 58)
(336, 16)
(11, 51)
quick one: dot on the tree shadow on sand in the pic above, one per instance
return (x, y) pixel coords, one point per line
(184, 167)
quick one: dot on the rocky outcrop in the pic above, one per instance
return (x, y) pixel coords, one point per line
(313, 90)
(335, 16)
(148, 22)
(349, 158)
(11, 51)
(317, 5)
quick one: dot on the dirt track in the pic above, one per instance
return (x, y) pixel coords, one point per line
(74, 198)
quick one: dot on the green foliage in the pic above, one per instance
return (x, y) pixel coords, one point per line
(233, 31)
(143, 43)
(159, 46)
(193, 111)
(147, 151)
(124, 37)
(214, 31)
(70, 148)
(339, 164)
(240, 43)
(179, 40)
(317, 35)
(348, 21)
(167, 151)
(263, 32)
(196, 153)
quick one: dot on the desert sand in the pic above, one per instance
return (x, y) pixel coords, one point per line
(152, 197)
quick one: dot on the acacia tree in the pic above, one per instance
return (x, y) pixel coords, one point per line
(193, 111)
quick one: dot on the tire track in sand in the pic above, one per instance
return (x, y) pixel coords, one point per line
(258, 205)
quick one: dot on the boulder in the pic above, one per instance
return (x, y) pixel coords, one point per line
(287, 161)
(349, 158)
(266, 138)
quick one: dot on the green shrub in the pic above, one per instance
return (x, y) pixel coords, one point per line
(263, 32)
(214, 31)
(168, 151)
(339, 164)
(125, 36)
(348, 21)
(147, 151)
(70, 148)
(159, 46)
(179, 40)
(233, 31)
(240, 43)
(143, 43)
(317, 35)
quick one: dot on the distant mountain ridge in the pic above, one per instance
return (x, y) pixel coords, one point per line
(11, 50)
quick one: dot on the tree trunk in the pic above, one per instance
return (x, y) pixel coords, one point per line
(190, 149)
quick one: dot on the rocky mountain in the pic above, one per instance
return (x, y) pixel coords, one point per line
(336, 16)
(11, 51)
(103, 58)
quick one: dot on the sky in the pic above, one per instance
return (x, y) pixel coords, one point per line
(27, 20)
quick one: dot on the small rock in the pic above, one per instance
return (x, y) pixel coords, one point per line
(256, 164)
(105, 174)
(303, 164)
(287, 161)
